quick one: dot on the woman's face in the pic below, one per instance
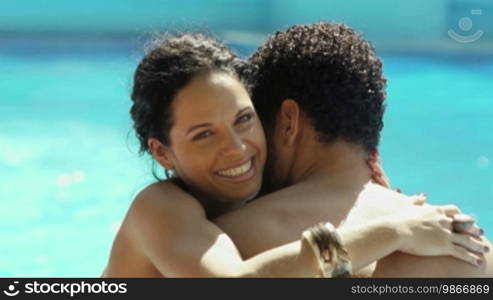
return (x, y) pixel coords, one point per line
(217, 142)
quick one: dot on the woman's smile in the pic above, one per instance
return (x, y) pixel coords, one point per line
(239, 173)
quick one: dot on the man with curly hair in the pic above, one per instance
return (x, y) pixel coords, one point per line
(319, 91)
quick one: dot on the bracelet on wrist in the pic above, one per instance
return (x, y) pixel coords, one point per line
(331, 255)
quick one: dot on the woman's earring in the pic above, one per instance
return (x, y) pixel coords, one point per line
(170, 173)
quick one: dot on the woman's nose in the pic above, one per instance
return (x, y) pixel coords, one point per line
(233, 144)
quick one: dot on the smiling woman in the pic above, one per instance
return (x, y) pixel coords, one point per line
(195, 117)
(217, 145)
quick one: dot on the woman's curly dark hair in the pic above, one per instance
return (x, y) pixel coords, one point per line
(331, 72)
(170, 63)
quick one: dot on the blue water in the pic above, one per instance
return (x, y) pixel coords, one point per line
(438, 134)
(69, 165)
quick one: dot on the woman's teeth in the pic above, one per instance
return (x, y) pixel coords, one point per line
(238, 171)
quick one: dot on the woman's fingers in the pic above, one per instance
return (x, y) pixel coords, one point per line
(378, 174)
(449, 210)
(419, 199)
(463, 218)
(380, 179)
(469, 242)
(467, 256)
(475, 230)
(463, 223)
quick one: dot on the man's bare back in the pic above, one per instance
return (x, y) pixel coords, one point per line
(281, 219)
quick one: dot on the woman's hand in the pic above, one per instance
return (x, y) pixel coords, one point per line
(378, 174)
(428, 230)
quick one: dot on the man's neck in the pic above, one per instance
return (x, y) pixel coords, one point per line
(330, 178)
(340, 164)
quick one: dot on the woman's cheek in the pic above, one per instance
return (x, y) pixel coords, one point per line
(203, 155)
(260, 136)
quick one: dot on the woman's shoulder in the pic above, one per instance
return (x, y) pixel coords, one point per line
(167, 199)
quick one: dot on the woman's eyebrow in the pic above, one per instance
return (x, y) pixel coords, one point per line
(198, 126)
(242, 110)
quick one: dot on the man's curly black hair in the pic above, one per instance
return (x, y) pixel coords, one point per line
(331, 72)
(170, 63)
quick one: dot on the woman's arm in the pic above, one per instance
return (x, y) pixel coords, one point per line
(401, 264)
(172, 230)
(424, 231)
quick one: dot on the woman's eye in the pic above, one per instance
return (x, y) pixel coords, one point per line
(244, 118)
(202, 135)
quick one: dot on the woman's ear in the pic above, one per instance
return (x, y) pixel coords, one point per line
(161, 153)
(290, 121)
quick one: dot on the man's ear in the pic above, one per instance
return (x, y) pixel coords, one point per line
(290, 121)
(161, 153)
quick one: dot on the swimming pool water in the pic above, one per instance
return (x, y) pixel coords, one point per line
(69, 166)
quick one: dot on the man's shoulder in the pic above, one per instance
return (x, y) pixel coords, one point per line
(375, 201)
(381, 195)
